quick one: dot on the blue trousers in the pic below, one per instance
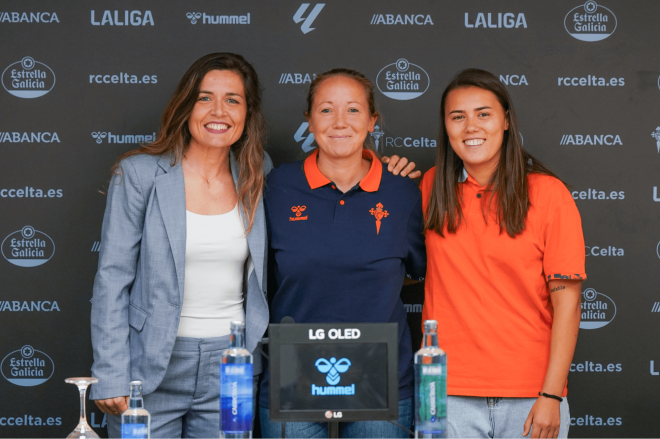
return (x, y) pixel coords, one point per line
(471, 416)
(187, 402)
(365, 429)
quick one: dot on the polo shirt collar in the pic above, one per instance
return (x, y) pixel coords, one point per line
(464, 176)
(370, 183)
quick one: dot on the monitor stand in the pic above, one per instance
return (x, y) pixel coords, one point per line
(333, 429)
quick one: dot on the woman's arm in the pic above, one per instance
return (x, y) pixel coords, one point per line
(565, 299)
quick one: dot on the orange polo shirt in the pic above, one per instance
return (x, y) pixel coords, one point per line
(489, 292)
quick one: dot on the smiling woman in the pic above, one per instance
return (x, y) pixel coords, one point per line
(183, 252)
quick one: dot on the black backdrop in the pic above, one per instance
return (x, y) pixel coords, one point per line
(83, 79)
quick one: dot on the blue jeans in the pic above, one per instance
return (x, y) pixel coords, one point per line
(471, 416)
(346, 429)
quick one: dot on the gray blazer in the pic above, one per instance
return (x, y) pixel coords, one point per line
(138, 289)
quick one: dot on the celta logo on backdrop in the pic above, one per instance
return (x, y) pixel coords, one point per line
(28, 78)
(391, 19)
(28, 17)
(297, 78)
(28, 247)
(27, 367)
(598, 310)
(398, 142)
(590, 81)
(123, 138)
(128, 18)
(218, 19)
(32, 137)
(30, 306)
(332, 368)
(300, 136)
(590, 22)
(656, 135)
(603, 251)
(307, 22)
(507, 20)
(590, 139)
(513, 80)
(402, 80)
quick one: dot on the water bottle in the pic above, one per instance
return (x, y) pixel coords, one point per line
(430, 386)
(236, 386)
(136, 421)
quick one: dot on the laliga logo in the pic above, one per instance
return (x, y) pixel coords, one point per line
(402, 80)
(27, 367)
(598, 310)
(99, 136)
(333, 368)
(298, 16)
(590, 22)
(194, 16)
(28, 247)
(28, 78)
(300, 135)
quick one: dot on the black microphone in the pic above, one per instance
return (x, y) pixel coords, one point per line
(287, 320)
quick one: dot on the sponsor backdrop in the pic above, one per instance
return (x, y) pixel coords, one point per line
(83, 82)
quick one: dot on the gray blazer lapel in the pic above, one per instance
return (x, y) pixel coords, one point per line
(256, 239)
(171, 196)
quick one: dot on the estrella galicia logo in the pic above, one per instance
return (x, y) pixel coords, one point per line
(590, 22)
(28, 78)
(298, 16)
(193, 16)
(402, 80)
(27, 367)
(598, 310)
(333, 368)
(28, 247)
(308, 140)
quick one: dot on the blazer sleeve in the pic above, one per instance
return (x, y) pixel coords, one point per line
(121, 235)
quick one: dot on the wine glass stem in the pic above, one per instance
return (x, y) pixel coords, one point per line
(83, 417)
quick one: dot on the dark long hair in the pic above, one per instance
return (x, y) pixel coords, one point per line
(508, 186)
(173, 137)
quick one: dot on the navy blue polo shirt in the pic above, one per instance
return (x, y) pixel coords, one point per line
(341, 257)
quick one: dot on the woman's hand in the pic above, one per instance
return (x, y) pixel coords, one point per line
(543, 418)
(401, 165)
(113, 406)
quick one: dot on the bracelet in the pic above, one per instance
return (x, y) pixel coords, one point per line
(547, 395)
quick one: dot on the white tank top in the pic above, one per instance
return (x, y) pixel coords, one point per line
(216, 251)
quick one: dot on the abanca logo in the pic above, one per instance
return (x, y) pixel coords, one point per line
(402, 80)
(27, 367)
(590, 22)
(28, 247)
(28, 78)
(597, 309)
(33, 17)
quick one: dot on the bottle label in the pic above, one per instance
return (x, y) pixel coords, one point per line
(137, 431)
(432, 393)
(235, 398)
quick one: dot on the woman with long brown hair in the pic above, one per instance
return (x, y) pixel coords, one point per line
(505, 266)
(183, 252)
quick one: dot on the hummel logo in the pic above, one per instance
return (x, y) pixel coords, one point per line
(333, 368)
(298, 16)
(193, 16)
(99, 136)
(298, 211)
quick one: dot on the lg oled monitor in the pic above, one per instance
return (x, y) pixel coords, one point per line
(333, 372)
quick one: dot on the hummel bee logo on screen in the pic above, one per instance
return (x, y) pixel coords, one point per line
(333, 368)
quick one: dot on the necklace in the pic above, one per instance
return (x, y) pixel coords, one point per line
(208, 180)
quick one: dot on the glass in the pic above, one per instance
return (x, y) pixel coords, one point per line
(83, 430)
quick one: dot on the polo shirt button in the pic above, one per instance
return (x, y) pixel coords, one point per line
(341, 202)
(333, 186)
(478, 195)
